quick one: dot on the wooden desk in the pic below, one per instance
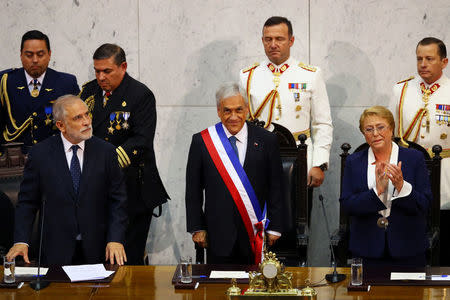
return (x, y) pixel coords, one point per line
(154, 282)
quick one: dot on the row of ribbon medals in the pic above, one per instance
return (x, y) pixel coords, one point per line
(114, 117)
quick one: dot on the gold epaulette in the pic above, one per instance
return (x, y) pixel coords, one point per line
(249, 68)
(307, 67)
(82, 87)
(405, 80)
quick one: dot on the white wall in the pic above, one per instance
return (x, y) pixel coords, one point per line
(184, 49)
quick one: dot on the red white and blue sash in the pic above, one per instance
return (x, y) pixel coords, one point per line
(238, 184)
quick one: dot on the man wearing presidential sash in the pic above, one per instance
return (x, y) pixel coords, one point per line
(27, 93)
(421, 107)
(290, 93)
(234, 184)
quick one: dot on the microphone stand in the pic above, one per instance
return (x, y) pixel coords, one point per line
(335, 276)
(38, 284)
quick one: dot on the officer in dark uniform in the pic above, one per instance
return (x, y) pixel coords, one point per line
(27, 93)
(123, 113)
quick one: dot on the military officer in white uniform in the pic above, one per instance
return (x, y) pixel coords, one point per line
(292, 94)
(421, 106)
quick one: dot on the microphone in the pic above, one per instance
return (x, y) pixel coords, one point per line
(335, 276)
(38, 284)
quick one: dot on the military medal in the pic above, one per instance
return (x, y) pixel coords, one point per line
(35, 93)
(118, 127)
(382, 222)
(297, 97)
(426, 98)
(111, 122)
(298, 108)
(125, 115)
(48, 112)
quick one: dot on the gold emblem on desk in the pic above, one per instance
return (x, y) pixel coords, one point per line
(271, 280)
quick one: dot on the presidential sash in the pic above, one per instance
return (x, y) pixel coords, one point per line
(238, 184)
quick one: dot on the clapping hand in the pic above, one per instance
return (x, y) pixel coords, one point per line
(381, 177)
(395, 174)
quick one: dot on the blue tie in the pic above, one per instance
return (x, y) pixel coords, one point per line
(233, 140)
(75, 169)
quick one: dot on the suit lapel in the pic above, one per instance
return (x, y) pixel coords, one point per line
(86, 168)
(114, 103)
(252, 144)
(61, 164)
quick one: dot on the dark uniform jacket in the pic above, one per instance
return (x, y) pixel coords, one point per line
(206, 188)
(32, 116)
(98, 211)
(128, 121)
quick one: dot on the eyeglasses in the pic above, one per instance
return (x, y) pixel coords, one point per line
(371, 130)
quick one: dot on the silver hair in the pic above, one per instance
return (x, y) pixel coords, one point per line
(228, 90)
(59, 107)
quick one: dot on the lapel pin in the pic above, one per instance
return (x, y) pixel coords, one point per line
(255, 144)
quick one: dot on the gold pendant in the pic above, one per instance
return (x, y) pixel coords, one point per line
(110, 129)
(382, 222)
(47, 121)
(118, 127)
(125, 125)
(35, 93)
(276, 81)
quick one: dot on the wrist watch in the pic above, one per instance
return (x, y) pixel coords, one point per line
(324, 167)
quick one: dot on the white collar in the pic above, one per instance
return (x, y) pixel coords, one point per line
(68, 144)
(29, 78)
(241, 136)
(394, 155)
(290, 61)
(440, 81)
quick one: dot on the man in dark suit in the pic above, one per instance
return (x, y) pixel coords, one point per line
(27, 93)
(124, 114)
(79, 179)
(222, 226)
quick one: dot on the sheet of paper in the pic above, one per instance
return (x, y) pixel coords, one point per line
(407, 276)
(440, 277)
(86, 272)
(229, 274)
(30, 271)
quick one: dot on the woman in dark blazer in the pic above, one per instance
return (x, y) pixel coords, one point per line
(386, 192)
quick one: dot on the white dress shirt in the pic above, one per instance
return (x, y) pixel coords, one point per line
(241, 141)
(391, 194)
(68, 151)
(30, 80)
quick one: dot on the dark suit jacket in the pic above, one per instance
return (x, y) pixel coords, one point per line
(220, 217)
(47, 176)
(406, 233)
(145, 188)
(24, 106)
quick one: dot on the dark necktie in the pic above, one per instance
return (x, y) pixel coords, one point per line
(233, 140)
(35, 91)
(75, 169)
